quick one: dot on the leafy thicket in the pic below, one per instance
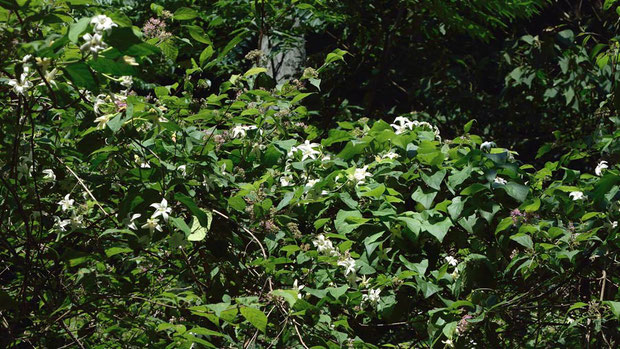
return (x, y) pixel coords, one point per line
(159, 190)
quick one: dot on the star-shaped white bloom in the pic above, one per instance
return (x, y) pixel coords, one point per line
(298, 288)
(324, 245)
(449, 343)
(61, 224)
(66, 203)
(49, 175)
(500, 180)
(102, 23)
(76, 221)
(308, 150)
(576, 195)
(94, 43)
(348, 264)
(359, 175)
(161, 209)
(130, 221)
(372, 297)
(241, 130)
(21, 85)
(600, 167)
(126, 81)
(311, 183)
(452, 261)
(285, 181)
(390, 155)
(152, 224)
(487, 145)
(103, 120)
(183, 170)
(142, 163)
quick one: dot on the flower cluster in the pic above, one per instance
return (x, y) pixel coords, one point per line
(76, 220)
(372, 297)
(240, 131)
(402, 124)
(94, 42)
(156, 28)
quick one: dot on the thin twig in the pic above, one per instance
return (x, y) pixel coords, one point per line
(82, 184)
(75, 339)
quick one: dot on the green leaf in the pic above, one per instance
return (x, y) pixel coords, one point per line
(205, 55)
(198, 34)
(347, 221)
(184, 14)
(198, 232)
(170, 50)
(439, 229)
(376, 192)
(468, 125)
(435, 180)
(523, 240)
(504, 224)
(517, 191)
(126, 41)
(112, 251)
(290, 296)
(614, 307)
(81, 76)
(425, 199)
(203, 217)
(256, 317)
(77, 28)
(116, 123)
(111, 67)
(254, 71)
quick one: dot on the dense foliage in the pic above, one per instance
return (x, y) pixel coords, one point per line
(158, 188)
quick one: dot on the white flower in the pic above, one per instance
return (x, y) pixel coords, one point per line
(66, 203)
(142, 163)
(308, 151)
(372, 297)
(99, 101)
(576, 195)
(126, 81)
(285, 181)
(152, 224)
(455, 274)
(452, 261)
(311, 183)
(102, 121)
(94, 43)
(600, 167)
(161, 209)
(298, 288)
(241, 130)
(323, 245)
(364, 281)
(359, 175)
(402, 124)
(49, 175)
(26, 58)
(390, 155)
(61, 224)
(76, 221)
(183, 169)
(614, 224)
(349, 265)
(102, 23)
(22, 85)
(500, 180)
(130, 221)
(487, 145)
(449, 343)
